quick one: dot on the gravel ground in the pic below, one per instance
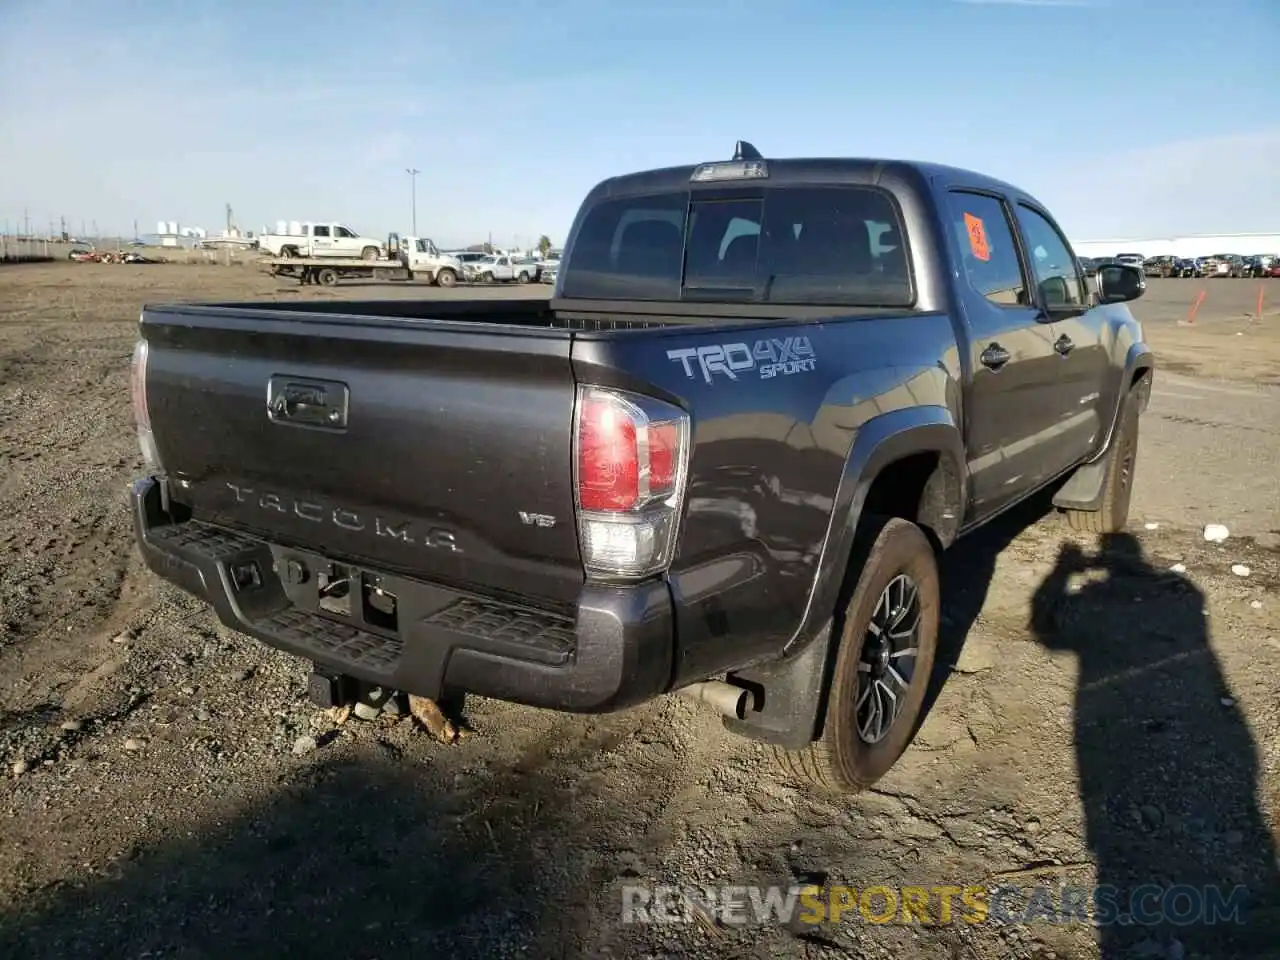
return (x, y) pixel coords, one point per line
(168, 791)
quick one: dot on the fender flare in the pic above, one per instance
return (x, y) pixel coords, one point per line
(1084, 488)
(795, 685)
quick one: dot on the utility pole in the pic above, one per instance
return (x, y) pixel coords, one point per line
(26, 223)
(413, 196)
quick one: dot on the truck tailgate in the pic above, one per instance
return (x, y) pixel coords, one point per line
(427, 448)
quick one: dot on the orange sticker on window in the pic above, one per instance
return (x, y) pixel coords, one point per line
(977, 237)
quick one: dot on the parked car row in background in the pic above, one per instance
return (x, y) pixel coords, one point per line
(1218, 265)
(479, 267)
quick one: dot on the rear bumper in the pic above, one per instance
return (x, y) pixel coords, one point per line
(615, 652)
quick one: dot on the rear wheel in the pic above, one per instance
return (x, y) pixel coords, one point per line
(327, 277)
(1113, 515)
(882, 668)
(369, 253)
(446, 278)
(524, 276)
(288, 253)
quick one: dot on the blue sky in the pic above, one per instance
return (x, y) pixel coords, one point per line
(1130, 118)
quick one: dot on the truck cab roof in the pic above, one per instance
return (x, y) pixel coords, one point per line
(798, 171)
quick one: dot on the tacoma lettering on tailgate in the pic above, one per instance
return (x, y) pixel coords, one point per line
(355, 521)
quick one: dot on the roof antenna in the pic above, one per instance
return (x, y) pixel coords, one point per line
(745, 151)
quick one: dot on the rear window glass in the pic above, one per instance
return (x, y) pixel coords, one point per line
(799, 245)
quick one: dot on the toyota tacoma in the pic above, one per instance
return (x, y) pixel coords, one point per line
(722, 459)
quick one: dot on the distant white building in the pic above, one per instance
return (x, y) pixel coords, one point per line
(169, 233)
(1205, 245)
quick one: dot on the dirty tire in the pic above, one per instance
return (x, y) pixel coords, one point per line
(841, 761)
(1113, 515)
(369, 253)
(446, 278)
(288, 253)
(486, 277)
(327, 277)
(524, 276)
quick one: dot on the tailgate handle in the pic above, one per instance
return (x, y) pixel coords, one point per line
(319, 404)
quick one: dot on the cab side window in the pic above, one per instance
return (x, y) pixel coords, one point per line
(987, 249)
(1057, 276)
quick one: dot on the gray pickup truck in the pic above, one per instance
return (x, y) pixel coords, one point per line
(723, 459)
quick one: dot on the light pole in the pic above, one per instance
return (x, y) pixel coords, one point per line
(413, 194)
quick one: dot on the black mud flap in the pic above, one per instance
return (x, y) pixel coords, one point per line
(790, 696)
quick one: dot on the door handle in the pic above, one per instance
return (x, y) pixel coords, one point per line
(995, 356)
(1064, 345)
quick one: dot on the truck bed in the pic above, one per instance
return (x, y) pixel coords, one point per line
(344, 263)
(549, 317)
(452, 421)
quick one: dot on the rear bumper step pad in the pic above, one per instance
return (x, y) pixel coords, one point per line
(615, 652)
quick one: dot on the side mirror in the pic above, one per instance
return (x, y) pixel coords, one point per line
(1054, 294)
(1120, 283)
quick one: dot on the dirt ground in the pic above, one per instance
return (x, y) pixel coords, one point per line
(1109, 714)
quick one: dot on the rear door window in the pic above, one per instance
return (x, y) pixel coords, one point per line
(987, 250)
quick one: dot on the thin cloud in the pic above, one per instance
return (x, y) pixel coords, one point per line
(1032, 3)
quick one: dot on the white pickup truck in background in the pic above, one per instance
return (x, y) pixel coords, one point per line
(321, 240)
(501, 267)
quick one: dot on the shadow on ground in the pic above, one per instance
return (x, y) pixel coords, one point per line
(1167, 766)
(350, 859)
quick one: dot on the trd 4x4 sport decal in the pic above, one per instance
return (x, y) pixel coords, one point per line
(765, 358)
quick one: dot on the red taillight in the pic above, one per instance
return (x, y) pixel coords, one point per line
(664, 452)
(630, 454)
(624, 459)
(608, 457)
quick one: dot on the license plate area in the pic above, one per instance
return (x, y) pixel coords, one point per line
(341, 591)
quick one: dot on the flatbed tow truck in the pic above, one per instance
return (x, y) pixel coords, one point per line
(407, 258)
(327, 271)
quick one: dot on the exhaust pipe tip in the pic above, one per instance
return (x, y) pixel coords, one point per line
(724, 697)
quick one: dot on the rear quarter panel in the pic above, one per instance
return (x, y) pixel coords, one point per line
(769, 452)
